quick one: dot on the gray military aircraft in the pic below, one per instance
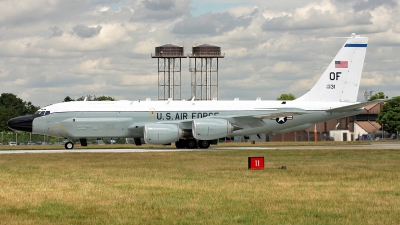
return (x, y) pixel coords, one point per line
(192, 124)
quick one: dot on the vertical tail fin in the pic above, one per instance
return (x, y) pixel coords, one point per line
(341, 80)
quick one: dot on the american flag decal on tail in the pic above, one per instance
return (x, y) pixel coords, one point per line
(341, 64)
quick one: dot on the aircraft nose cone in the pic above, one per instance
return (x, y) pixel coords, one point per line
(22, 123)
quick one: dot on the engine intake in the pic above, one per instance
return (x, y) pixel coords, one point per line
(160, 134)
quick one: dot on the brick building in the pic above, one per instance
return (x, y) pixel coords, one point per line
(359, 125)
(364, 123)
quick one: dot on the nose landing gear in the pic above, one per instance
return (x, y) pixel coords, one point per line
(69, 145)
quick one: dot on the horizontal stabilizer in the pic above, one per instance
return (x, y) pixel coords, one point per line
(356, 106)
(280, 114)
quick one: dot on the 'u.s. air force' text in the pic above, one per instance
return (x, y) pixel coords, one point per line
(184, 115)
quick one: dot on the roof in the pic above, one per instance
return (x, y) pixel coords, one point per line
(169, 45)
(206, 45)
(369, 126)
(368, 107)
(372, 109)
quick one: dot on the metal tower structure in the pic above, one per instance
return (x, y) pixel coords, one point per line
(367, 94)
(205, 71)
(169, 71)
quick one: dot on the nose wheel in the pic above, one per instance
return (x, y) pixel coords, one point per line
(69, 145)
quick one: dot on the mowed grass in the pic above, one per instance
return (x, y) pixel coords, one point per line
(202, 187)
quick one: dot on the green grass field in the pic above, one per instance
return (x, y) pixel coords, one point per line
(202, 187)
(223, 144)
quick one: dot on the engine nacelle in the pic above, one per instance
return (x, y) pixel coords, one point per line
(210, 129)
(160, 134)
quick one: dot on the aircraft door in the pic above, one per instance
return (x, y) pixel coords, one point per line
(112, 126)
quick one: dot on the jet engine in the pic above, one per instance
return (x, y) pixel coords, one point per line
(162, 133)
(210, 129)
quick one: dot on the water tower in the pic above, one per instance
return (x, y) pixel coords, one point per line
(169, 71)
(205, 71)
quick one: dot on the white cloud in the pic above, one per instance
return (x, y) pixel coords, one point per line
(281, 67)
(372, 79)
(317, 16)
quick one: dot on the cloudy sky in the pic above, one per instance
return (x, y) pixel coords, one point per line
(50, 49)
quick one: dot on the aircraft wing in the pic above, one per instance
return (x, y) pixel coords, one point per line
(280, 114)
(273, 114)
(356, 106)
(253, 120)
(256, 120)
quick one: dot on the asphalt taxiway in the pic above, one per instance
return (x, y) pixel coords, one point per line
(377, 145)
(129, 150)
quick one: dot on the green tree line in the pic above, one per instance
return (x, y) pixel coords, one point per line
(12, 106)
(89, 98)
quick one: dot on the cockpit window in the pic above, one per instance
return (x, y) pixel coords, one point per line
(42, 112)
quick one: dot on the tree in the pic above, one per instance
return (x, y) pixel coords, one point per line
(12, 106)
(104, 98)
(30, 108)
(379, 95)
(5, 115)
(389, 116)
(286, 97)
(68, 99)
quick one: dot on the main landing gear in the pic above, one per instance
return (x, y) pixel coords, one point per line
(192, 143)
(188, 143)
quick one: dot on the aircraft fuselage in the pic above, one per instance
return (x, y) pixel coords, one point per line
(119, 119)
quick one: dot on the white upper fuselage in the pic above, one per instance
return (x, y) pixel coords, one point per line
(158, 106)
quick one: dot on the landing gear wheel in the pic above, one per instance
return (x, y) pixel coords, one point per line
(69, 145)
(191, 143)
(204, 144)
(180, 144)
